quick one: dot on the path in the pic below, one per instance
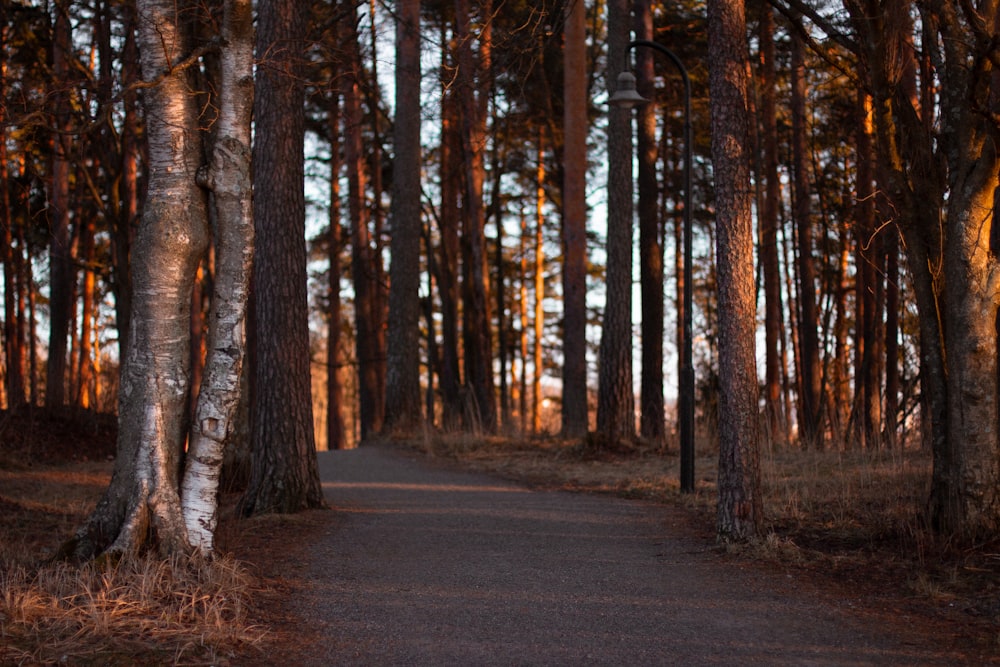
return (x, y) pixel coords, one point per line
(429, 566)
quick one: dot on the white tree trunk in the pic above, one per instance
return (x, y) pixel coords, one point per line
(142, 505)
(230, 181)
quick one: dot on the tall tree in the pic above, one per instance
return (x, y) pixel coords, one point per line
(60, 262)
(228, 178)
(367, 315)
(12, 257)
(809, 373)
(284, 476)
(336, 436)
(574, 222)
(472, 87)
(615, 398)
(403, 362)
(142, 504)
(651, 422)
(769, 215)
(740, 515)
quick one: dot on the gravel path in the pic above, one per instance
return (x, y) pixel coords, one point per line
(427, 565)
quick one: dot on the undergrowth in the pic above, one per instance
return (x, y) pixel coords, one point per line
(138, 611)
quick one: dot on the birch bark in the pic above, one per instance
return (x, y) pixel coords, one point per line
(229, 179)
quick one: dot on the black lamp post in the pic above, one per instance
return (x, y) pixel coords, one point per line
(626, 96)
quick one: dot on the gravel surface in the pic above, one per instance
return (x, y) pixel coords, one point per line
(426, 565)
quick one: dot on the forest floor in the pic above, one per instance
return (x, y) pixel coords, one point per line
(846, 522)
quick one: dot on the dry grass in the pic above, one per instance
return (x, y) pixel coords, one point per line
(141, 611)
(135, 612)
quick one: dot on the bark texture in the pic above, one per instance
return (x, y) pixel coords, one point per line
(403, 404)
(142, 506)
(284, 476)
(229, 180)
(739, 510)
(574, 274)
(615, 397)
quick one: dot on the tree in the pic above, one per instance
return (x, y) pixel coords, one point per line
(769, 213)
(228, 178)
(615, 399)
(142, 504)
(809, 374)
(740, 514)
(60, 262)
(284, 476)
(574, 223)
(472, 85)
(651, 401)
(364, 261)
(938, 166)
(403, 362)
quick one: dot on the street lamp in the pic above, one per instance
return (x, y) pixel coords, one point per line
(627, 97)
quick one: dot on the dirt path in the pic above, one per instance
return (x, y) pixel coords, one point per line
(425, 565)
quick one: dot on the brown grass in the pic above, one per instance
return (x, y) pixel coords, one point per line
(136, 612)
(146, 611)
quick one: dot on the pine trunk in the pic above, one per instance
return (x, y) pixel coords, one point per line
(403, 404)
(615, 395)
(285, 477)
(574, 229)
(740, 515)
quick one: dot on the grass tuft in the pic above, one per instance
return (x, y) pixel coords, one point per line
(138, 611)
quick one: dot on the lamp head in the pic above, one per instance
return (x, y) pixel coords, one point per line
(625, 95)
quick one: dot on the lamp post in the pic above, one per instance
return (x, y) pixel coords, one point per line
(626, 96)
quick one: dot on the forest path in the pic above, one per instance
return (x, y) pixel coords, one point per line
(428, 565)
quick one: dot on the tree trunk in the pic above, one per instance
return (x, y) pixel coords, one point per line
(740, 515)
(142, 505)
(60, 262)
(336, 435)
(776, 419)
(85, 365)
(229, 180)
(539, 318)
(615, 394)
(471, 86)
(285, 477)
(128, 214)
(652, 425)
(366, 318)
(574, 231)
(450, 377)
(403, 402)
(810, 376)
(11, 256)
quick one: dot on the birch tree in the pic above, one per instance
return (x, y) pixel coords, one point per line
(142, 504)
(143, 507)
(228, 178)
